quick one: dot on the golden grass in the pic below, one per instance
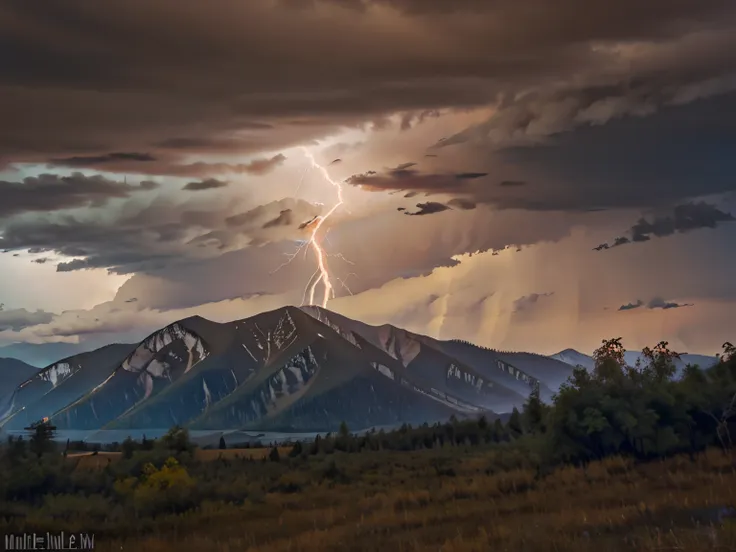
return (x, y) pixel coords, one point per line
(396, 501)
(254, 453)
(92, 461)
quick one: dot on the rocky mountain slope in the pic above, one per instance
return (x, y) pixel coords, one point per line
(286, 370)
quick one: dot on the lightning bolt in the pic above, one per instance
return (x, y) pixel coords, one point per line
(323, 271)
(322, 274)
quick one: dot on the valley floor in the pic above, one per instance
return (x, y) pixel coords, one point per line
(449, 500)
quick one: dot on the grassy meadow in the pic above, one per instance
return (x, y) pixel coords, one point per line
(446, 500)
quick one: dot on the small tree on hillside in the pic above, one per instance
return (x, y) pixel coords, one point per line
(222, 445)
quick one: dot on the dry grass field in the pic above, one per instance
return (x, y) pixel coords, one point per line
(90, 460)
(432, 501)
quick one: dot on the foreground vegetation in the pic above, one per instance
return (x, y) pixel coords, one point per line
(625, 458)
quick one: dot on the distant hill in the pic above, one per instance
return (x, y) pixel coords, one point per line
(575, 358)
(12, 373)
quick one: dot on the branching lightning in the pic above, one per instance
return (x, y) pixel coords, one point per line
(322, 274)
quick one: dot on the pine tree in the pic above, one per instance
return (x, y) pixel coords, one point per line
(273, 456)
(514, 424)
(222, 445)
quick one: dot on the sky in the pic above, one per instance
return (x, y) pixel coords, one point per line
(523, 174)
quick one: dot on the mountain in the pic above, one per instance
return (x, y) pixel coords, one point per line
(54, 387)
(282, 370)
(575, 358)
(288, 370)
(13, 372)
(509, 376)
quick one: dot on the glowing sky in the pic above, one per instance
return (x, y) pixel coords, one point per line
(153, 166)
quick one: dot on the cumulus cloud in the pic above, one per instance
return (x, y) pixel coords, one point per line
(17, 319)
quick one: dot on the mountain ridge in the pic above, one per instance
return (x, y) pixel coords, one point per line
(289, 369)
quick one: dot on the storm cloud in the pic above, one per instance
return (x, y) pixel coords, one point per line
(201, 87)
(684, 218)
(51, 192)
(656, 303)
(153, 236)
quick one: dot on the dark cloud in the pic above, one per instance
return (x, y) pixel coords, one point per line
(51, 192)
(527, 301)
(410, 180)
(305, 224)
(209, 184)
(470, 175)
(149, 184)
(656, 303)
(166, 164)
(412, 119)
(429, 208)
(659, 303)
(460, 203)
(151, 237)
(685, 218)
(42, 260)
(96, 160)
(241, 77)
(17, 319)
(285, 218)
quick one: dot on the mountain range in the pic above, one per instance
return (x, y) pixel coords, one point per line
(288, 370)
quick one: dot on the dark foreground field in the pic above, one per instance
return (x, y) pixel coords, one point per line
(624, 458)
(441, 500)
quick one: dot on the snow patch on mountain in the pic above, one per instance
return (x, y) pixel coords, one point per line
(145, 353)
(146, 359)
(58, 373)
(518, 374)
(398, 344)
(278, 389)
(207, 395)
(385, 370)
(271, 342)
(471, 379)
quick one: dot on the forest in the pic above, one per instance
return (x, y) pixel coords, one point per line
(623, 458)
